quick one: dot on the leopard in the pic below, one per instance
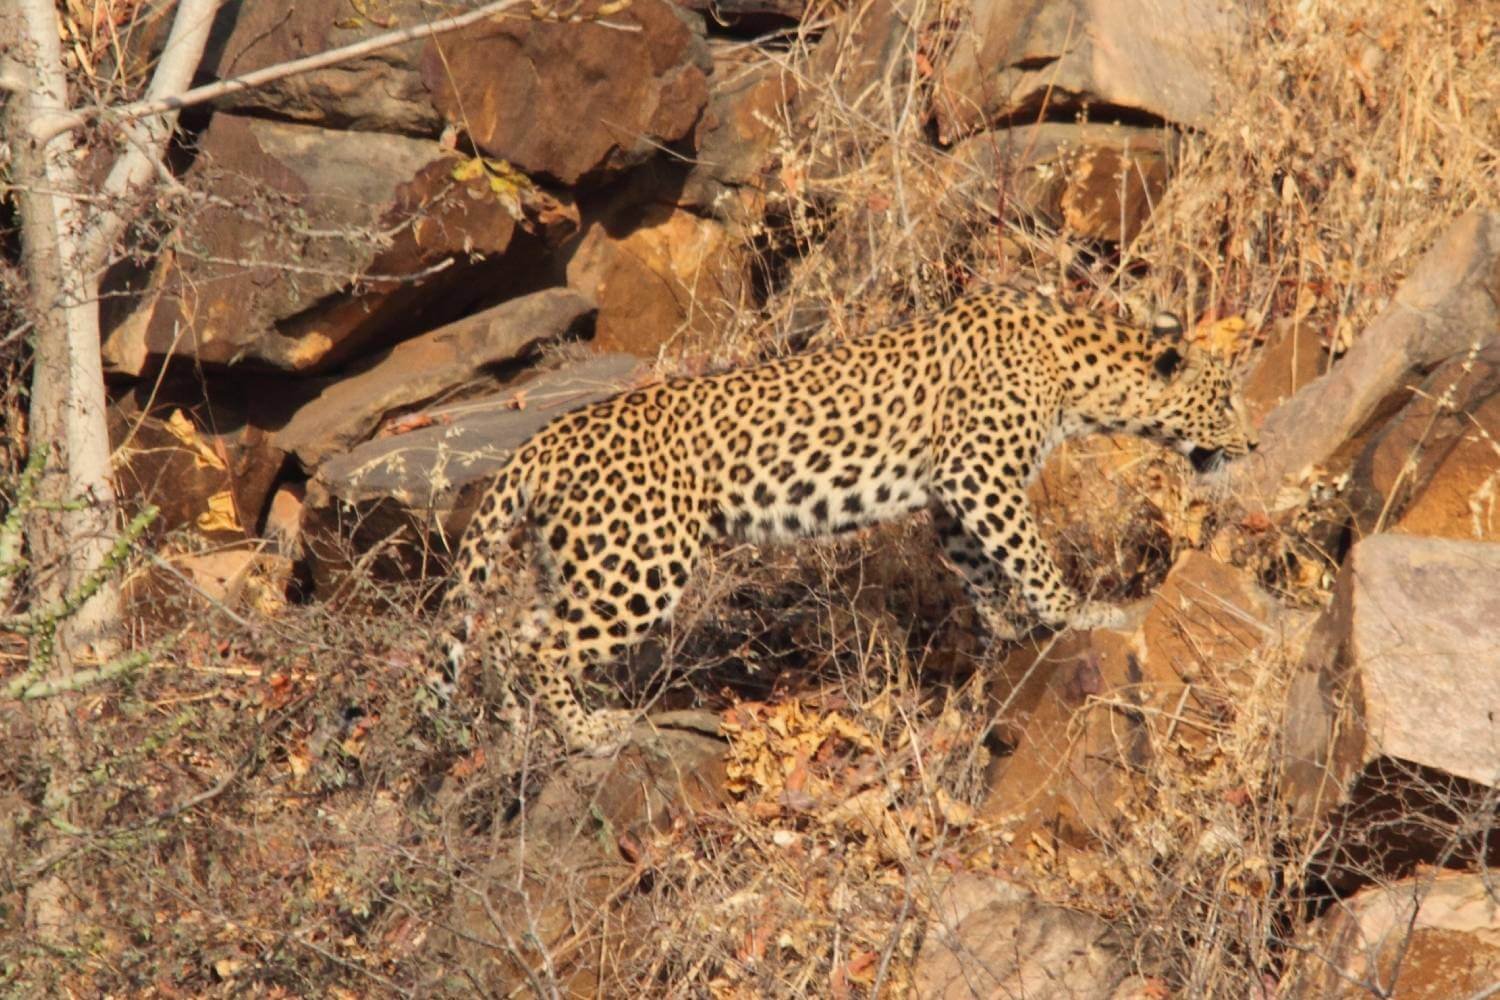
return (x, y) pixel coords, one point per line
(616, 501)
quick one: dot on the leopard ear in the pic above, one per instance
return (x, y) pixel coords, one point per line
(1167, 362)
(1167, 326)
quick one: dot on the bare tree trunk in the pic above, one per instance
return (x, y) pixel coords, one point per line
(67, 410)
(65, 244)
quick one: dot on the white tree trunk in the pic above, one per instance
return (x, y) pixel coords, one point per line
(66, 240)
(67, 404)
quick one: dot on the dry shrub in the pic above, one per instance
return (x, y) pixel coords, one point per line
(1356, 133)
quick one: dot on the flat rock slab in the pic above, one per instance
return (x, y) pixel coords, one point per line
(1404, 666)
(1163, 57)
(466, 443)
(425, 367)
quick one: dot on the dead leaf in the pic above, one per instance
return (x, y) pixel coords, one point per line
(220, 515)
(204, 455)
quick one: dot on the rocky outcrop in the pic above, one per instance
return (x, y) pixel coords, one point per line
(737, 138)
(1434, 468)
(1401, 668)
(1020, 59)
(375, 212)
(656, 275)
(382, 92)
(1449, 303)
(573, 101)
(226, 282)
(1084, 711)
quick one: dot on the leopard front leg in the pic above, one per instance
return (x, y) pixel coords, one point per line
(1001, 524)
(967, 556)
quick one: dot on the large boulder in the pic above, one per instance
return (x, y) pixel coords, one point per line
(568, 98)
(1163, 58)
(227, 278)
(578, 99)
(656, 275)
(738, 139)
(395, 218)
(1398, 695)
(1084, 712)
(1436, 935)
(349, 408)
(381, 92)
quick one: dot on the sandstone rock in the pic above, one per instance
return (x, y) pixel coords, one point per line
(1097, 181)
(1438, 935)
(990, 938)
(207, 465)
(225, 281)
(656, 274)
(572, 101)
(1400, 670)
(1292, 357)
(376, 211)
(1434, 469)
(380, 92)
(1450, 302)
(428, 480)
(458, 245)
(1162, 57)
(566, 857)
(1084, 711)
(414, 371)
(737, 139)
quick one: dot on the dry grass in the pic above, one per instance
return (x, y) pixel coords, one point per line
(277, 810)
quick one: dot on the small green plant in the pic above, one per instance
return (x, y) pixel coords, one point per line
(40, 624)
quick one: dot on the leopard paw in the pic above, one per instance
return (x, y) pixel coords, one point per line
(1098, 616)
(601, 732)
(998, 626)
